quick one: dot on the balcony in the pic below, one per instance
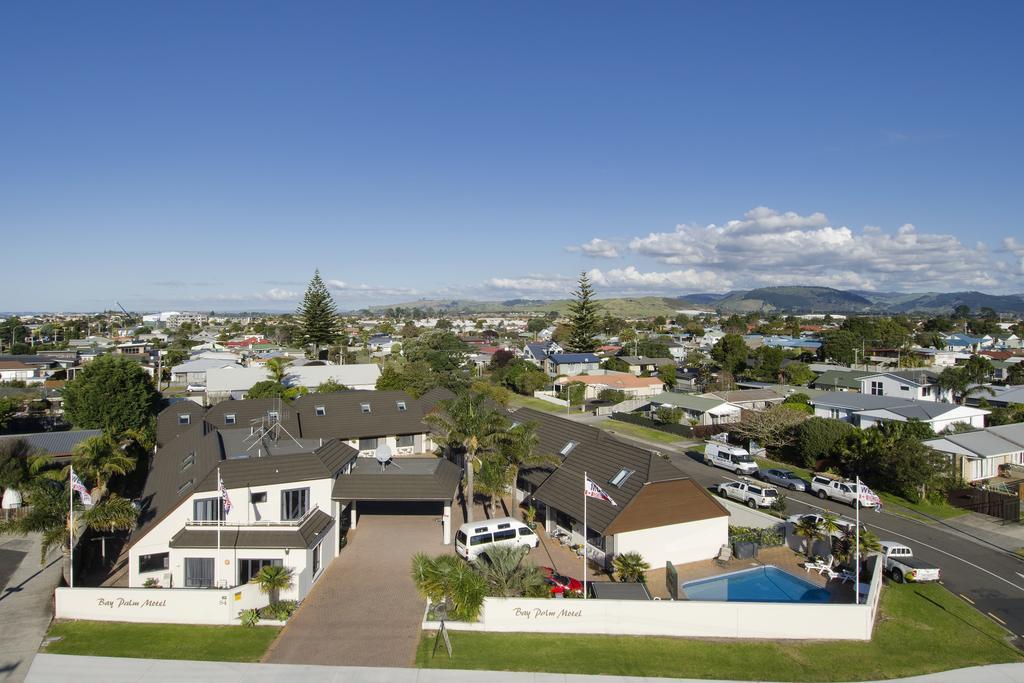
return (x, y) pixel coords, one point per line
(252, 524)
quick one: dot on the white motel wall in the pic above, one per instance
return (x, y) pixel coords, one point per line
(676, 543)
(158, 605)
(681, 618)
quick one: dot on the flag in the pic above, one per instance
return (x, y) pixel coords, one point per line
(225, 500)
(594, 491)
(83, 493)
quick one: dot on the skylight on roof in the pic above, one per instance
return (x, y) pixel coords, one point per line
(365, 407)
(619, 479)
(401, 405)
(321, 411)
(567, 448)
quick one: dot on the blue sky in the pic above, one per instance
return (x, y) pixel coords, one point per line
(211, 155)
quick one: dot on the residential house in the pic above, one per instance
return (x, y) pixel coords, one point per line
(917, 385)
(697, 410)
(571, 364)
(16, 371)
(235, 381)
(630, 385)
(538, 352)
(1008, 340)
(57, 445)
(748, 399)
(657, 512)
(1001, 398)
(867, 410)
(839, 380)
(194, 371)
(982, 454)
(966, 343)
(641, 364)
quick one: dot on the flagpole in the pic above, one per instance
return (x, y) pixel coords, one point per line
(71, 529)
(856, 569)
(585, 496)
(220, 522)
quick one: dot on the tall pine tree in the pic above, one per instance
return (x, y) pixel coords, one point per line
(318, 317)
(584, 322)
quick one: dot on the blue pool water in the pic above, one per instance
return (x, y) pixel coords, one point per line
(760, 584)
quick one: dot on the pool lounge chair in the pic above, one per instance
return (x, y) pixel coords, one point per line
(818, 565)
(724, 554)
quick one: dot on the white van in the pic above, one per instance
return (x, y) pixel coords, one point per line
(474, 538)
(732, 458)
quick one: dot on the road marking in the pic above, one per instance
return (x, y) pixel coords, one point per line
(966, 598)
(997, 618)
(938, 550)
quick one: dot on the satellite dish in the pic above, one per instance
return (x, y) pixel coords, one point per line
(383, 455)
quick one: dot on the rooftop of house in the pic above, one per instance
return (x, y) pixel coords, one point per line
(984, 443)
(559, 358)
(616, 380)
(647, 360)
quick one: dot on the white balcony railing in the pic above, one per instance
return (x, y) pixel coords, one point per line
(263, 523)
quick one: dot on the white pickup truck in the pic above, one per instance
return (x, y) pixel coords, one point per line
(843, 491)
(732, 458)
(753, 495)
(901, 564)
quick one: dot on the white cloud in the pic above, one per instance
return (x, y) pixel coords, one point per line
(629, 278)
(597, 248)
(530, 284)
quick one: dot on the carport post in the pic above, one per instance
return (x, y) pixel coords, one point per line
(446, 522)
(353, 513)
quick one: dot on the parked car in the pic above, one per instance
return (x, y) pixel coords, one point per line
(843, 491)
(753, 495)
(560, 583)
(818, 518)
(195, 387)
(732, 458)
(787, 479)
(901, 564)
(474, 538)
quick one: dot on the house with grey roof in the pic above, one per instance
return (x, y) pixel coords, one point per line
(985, 453)
(571, 364)
(839, 380)
(917, 385)
(638, 365)
(867, 410)
(697, 410)
(58, 445)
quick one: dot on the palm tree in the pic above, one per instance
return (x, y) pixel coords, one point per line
(449, 580)
(493, 480)
(869, 543)
(509, 575)
(631, 567)
(468, 422)
(272, 579)
(48, 515)
(809, 529)
(277, 369)
(516, 447)
(99, 459)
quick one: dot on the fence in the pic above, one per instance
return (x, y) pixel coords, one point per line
(158, 605)
(550, 398)
(678, 429)
(992, 503)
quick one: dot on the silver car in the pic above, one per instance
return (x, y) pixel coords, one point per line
(786, 479)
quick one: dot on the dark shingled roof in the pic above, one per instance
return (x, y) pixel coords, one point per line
(423, 479)
(304, 536)
(57, 444)
(168, 427)
(344, 418)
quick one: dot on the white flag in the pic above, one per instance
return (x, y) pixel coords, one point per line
(83, 493)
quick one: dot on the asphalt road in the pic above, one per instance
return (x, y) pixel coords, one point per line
(990, 578)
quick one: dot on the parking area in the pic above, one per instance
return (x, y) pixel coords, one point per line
(364, 610)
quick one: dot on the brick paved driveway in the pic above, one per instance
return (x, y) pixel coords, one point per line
(364, 610)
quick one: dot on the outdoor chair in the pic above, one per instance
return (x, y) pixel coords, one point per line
(724, 554)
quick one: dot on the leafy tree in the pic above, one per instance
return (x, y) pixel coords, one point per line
(522, 377)
(651, 349)
(1008, 415)
(798, 373)
(19, 463)
(809, 529)
(631, 567)
(731, 353)
(820, 437)
(1014, 374)
(694, 358)
(449, 580)
(574, 392)
(509, 575)
(772, 428)
(667, 374)
(616, 364)
(670, 414)
(8, 407)
(735, 325)
(842, 346)
(583, 318)
(99, 459)
(891, 457)
(495, 392)
(318, 315)
(535, 325)
(492, 481)
(267, 389)
(443, 324)
(331, 386)
(516, 448)
(415, 378)
(468, 423)
(612, 396)
(768, 363)
(410, 330)
(272, 579)
(501, 358)
(962, 381)
(443, 351)
(799, 402)
(112, 393)
(978, 369)
(277, 369)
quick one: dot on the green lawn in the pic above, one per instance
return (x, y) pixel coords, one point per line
(890, 503)
(161, 641)
(639, 431)
(921, 629)
(536, 404)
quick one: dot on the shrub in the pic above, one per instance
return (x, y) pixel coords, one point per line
(820, 437)
(249, 617)
(631, 567)
(766, 538)
(611, 396)
(279, 611)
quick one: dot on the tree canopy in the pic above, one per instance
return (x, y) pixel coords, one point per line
(318, 315)
(584, 321)
(112, 393)
(730, 352)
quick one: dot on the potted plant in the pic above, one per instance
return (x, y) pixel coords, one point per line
(530, 517)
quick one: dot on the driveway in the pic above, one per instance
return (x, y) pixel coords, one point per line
(364, 610)
(26, 602)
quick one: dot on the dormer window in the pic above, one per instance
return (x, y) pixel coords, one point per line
(567, 448)
(321, 411)
(619, 479)
(188, 460)
(230, 419)
(364, 407)
(401, 405)
(184, 419)
(184, 487)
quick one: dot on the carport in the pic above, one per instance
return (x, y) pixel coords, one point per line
(402, 486)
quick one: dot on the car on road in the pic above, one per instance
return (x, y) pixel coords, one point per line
(787, 479)
(752, 495)
(732, 458)
(819, 519)
(560, 583)
(901, 564)
(844, 491)
(196, 387)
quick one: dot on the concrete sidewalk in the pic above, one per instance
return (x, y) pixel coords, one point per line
(26, 606)
(1006, 535)
(60, 668)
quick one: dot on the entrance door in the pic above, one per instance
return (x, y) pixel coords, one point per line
(198, 572)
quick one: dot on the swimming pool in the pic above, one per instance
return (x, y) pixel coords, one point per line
(760, 584)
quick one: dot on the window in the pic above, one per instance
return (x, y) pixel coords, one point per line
(188, 460)
(206, 510)
(184, 419)
(401, 405)
(294, 504)
(317, 557)
(364, 407)
(904, 387)
(480, 539)
(273, 416)
(407, 441)
(833, 413)
(367, 444)
(154, 562)
(526, 531)
(567, 448)
(183, 487)
(247, 569)
(198, 572)
(619, 479)
(321, 411)
(504, 534)
(258, 497)
(876, 389)
(926, 391)
(506, 525)
(230, 419)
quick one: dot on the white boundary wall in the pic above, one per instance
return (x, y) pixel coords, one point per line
(682, 618)
(158, 605)
(550, 398)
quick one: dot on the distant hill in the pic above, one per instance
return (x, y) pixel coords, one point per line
(633, 307)
(795, 300)
(942, 302)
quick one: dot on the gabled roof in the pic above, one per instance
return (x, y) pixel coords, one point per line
(926, 411)
(411, 479)
(55, 443)
(850, 400)
(742, 395)
(559, 358)
(849, 379)
(689, 401)
(984, 443)
(921, 378)
(389, 412)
